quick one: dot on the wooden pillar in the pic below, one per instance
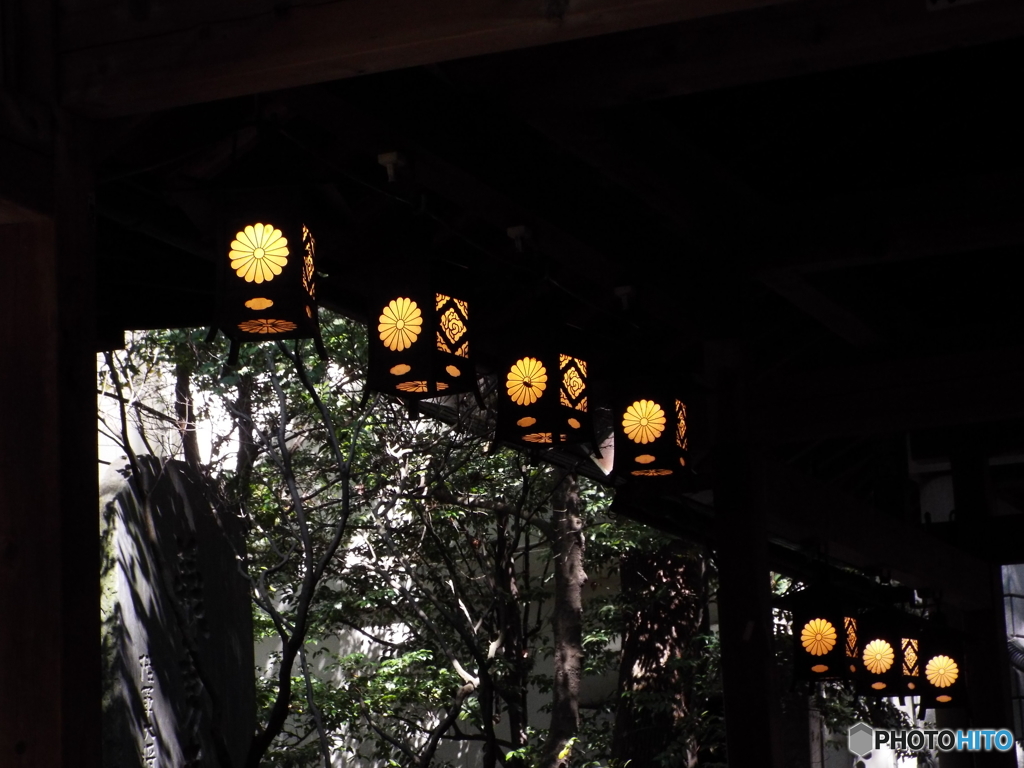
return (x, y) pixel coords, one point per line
(49, 538)
(49, 530)
(752, 704)
(988, 668)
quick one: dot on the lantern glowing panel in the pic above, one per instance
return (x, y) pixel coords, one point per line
(268, 280)
(543, 399)
(420, 344)
(650, 435)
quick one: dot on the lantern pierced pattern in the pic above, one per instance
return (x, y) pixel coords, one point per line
(651, 436)
(850, 623)
(268, 282)
(544, 400)
(421, 347)
(911, 663)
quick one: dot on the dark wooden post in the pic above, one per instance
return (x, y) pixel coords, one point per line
(753, 731)
(988, 668)
(49, 539)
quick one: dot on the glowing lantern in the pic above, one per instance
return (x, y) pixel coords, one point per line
(420, 341)
(650, 435)
(543, 399)
(268, 280)
(824, 635)
(942, 661)
(885, 669)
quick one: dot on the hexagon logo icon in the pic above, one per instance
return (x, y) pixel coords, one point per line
(861, 739)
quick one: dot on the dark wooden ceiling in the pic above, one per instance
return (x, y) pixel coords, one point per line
(835, 188)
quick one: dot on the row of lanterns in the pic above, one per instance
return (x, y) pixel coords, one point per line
(421, 348)
(884, 653)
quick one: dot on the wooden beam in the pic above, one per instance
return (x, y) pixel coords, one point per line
(801, 509)
(838, 319)
(340, 133)
(26, 140)
(728, 51)
(889, 397)
(961, 215)
(117, 60)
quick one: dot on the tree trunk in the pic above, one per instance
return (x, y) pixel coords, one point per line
(510, 621)
(568, 624)
(665, 594)
(186, 418)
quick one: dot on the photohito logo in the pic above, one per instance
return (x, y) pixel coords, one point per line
(863, 739)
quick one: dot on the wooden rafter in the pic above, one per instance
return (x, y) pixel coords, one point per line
(116, 61)
(727, 51)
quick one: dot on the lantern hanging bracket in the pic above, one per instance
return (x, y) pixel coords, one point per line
(520, 235)
(392, 161)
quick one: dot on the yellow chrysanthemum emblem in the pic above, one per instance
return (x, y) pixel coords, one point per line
(878, 657)
(400, 323)
(942, 671)
(259, 253)
(643, 421)
(526, 381)
(818, 637)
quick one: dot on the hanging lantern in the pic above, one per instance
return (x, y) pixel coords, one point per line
(650, 436)
(268, 280)
(420, 341)
(942, 670)
(882, 664)
(543, 399)
(825, 639)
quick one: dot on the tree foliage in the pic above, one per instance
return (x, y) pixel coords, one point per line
(405, 574)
